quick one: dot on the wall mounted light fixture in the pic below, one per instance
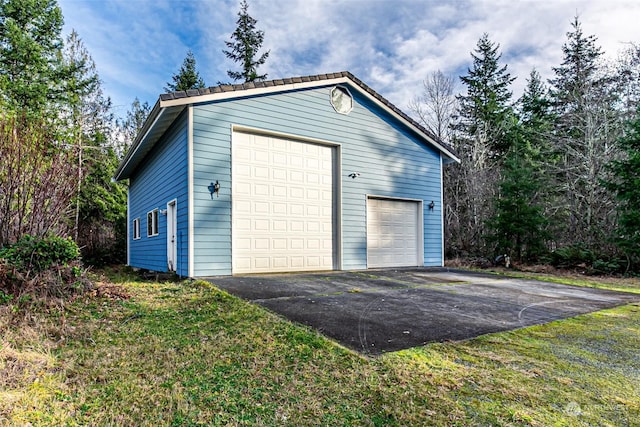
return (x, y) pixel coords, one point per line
(354, 175)
(431, 205)
(214, 189)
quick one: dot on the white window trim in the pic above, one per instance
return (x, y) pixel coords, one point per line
(136, 229)
(154, 223)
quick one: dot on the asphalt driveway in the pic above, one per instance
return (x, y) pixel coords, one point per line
(376, 311)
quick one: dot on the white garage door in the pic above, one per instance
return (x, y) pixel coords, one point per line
(282, 205)
(393, 233)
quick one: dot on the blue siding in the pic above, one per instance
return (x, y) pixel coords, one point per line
(390, 158)
(162, 177)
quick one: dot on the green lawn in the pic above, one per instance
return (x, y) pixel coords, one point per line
(189, 354)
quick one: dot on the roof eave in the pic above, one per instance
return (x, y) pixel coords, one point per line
(151, 120)
(249, 89)
(179, 100)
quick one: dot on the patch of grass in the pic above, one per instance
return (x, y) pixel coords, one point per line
(185, 353)
(626, 284)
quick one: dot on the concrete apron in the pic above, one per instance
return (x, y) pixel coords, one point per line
(377, 311)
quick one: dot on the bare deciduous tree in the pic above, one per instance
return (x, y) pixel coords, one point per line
(436, 104)
(37, 181)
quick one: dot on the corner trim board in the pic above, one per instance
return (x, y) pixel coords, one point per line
(442, 207)
(190, 242)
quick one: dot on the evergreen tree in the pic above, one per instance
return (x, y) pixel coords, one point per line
(537, 120)
(586, 128)
(129, 128)
(517, 227)
(481, 136)
(485, 109)
(102, 228)
(100, 205)
(187, 78)
(536, 124)
(244, 47)
(535, 108)
(30, 46)
(625, 183)
(578, 72)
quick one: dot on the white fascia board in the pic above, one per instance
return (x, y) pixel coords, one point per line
(251, 92)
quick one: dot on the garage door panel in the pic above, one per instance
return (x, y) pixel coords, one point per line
(260, 156)
(284, 206)
(393, 238)
(278, 174)
(279, 208)
(279, 226)
(261, 208)
(296, 162)
(261, 225)
(261, 244)
(278, 159)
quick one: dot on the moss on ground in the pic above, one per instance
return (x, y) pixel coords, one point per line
(189, 354)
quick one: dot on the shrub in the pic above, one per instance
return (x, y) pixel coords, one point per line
(572, 256)
(33, 255)
(42, 267)
(608, 266)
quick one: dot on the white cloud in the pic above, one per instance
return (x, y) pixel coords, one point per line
(391, 45)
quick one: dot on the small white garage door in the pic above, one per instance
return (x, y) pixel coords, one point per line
(393, 233)
(282, 205)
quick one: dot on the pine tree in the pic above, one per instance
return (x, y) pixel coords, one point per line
(187, 78)
(485, 108)
(578, 72)
(587, 125)
(518, 226)
(481, 136)
(535, 108)
(30, 47)
(100, 205)
(129, 128)
(244, 47)
(625, 183)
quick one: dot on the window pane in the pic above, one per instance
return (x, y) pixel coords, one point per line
(136, 228)
(155, 222)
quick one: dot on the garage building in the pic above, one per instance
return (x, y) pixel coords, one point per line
(301, 174)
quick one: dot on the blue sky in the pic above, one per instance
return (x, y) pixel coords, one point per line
(392, 45)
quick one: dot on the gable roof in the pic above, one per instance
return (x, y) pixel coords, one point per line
(170, 105)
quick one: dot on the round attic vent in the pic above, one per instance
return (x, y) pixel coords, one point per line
(341, 100)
